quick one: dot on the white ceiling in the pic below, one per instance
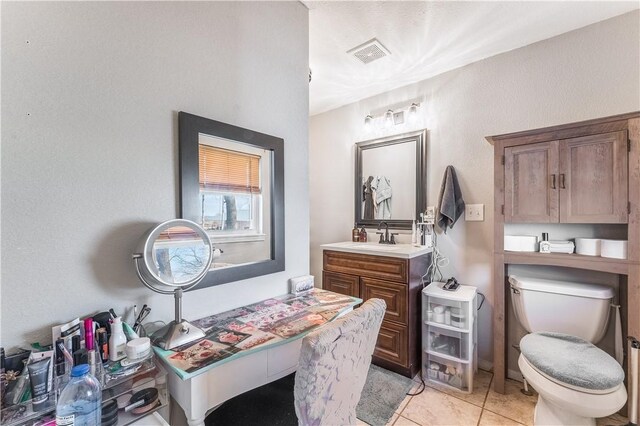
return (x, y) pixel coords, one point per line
(427, 38)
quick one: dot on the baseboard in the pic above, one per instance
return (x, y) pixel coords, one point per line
(515, 375)
(485, 365)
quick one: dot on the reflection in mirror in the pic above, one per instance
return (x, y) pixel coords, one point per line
(391, 180)
(179, 255)
(235, 182)
(232, 184)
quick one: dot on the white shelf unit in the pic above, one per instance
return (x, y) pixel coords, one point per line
(449, 336)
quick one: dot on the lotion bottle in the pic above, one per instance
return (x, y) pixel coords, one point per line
(118, 341)
(355, 233)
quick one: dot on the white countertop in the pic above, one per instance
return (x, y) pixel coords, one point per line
(403, 251)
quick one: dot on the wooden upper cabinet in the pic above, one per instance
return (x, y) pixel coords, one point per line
(593, 179)
(531, 183)
(575, 180)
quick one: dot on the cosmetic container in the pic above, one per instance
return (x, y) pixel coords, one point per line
(118, 341)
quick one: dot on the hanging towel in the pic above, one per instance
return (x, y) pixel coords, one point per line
(383, 193)
(450, 203)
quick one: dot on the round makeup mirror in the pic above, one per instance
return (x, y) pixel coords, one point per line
(173, 257)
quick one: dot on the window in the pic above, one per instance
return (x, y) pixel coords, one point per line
(230, 193)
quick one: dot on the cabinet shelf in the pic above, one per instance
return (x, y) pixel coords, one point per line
(448, 327)
(579, 261)
(448, 357)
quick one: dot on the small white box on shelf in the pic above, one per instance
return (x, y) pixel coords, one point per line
(521, 243)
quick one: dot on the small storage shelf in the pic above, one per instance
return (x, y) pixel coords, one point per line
(149, 374)
(449, 351)
(579, 261)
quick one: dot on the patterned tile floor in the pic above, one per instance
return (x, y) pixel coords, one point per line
(439, 405)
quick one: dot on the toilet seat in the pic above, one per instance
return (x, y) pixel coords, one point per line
(572, 362)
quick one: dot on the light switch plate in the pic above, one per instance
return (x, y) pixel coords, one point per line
(474, 212)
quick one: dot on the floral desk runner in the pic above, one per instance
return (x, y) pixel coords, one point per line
(242, 331)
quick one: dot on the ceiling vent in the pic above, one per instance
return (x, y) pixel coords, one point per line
(369, 51)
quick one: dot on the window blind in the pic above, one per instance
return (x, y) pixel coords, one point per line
(226, 170)
(179, 233)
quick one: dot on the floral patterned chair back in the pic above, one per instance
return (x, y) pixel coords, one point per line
(333, 367)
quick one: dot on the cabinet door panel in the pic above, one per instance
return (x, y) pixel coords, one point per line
(394, 295)
(341, 283)
(593, 179)
(392, 344)
(531, 183)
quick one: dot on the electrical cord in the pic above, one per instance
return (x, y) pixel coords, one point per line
(483, 299)
(438, 260)
(422, 387)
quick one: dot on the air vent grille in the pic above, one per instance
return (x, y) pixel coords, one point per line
(369, 51)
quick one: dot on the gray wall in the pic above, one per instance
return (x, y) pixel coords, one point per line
(588, 73)
(90, 94)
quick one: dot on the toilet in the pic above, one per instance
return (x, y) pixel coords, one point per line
(576, 381)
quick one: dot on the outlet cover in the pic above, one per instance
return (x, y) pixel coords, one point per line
(474, 213)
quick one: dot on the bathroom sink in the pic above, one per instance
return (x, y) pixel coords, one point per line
(375, 247)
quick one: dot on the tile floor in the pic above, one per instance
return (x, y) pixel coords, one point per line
(439, 405)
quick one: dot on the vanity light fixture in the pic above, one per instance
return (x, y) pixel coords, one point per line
(399, 116)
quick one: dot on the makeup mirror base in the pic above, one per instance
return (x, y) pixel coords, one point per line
(176, 334)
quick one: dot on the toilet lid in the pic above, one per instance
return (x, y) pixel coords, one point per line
(571, 360)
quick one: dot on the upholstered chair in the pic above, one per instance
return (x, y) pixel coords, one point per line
(333, 367)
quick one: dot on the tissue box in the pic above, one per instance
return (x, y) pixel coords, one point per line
(301, 284)
(520, 243)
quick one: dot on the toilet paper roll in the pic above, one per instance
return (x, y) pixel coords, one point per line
(616, 249)
(588, 246)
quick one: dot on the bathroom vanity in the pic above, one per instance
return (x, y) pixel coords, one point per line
(392, 273)
(584, 173)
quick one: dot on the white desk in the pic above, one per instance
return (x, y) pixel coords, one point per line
(203, 392)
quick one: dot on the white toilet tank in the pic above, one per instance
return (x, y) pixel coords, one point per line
(578, 309)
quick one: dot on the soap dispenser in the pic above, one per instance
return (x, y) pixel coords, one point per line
(355, 233)
(363, 235)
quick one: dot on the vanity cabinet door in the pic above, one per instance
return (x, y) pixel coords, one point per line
(593, 179)
(341, 283)
(394, 295)
(392, 344)
(531, 183)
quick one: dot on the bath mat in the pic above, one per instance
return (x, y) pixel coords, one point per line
(383, 392)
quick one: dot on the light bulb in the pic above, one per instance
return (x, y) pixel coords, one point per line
(367, 122)
(413, 112)
(388, 118)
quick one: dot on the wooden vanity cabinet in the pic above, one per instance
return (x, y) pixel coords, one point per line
(573, 180)
(398, 282)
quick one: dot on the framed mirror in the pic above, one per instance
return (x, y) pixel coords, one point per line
(391, 180)
(232, 184)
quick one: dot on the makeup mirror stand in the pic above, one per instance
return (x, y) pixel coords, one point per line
(158, 272)
(179, 331)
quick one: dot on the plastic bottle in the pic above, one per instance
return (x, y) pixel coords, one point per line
(363, 235)
(118, 341)
(80, 403)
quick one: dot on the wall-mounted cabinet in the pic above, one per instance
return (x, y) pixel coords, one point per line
(573, 180)
(579, 173)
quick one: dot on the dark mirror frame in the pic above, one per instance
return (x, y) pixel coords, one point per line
(190, 127)
(420, 138)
